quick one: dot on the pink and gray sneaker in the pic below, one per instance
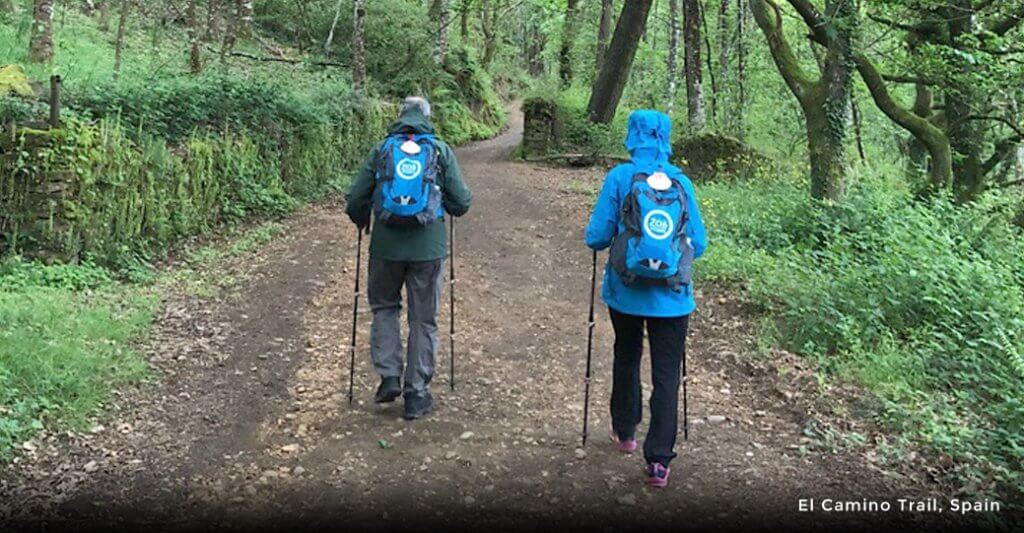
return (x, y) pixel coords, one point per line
(625, 445)
(657, 475)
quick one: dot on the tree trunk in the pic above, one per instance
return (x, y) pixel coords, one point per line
(565, 51)
(706, 33)
(358, 45)
(604, 28)
(825, 102)
(610, 82)
(122, 21)
(231, 23)
(441, 45)
(246, 17)
(464, 20)
(40, 48)
(1018, 173)
(837, 79)
(691, 64)
(195, 56)
(334, 26)
(965, 135)
(827, 153)
(211, 20)
(673, 53)
(488, 21)
(724, 42)
(740, 128)
(105, 15)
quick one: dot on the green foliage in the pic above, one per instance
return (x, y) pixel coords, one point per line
(578, 133)
(922, 302)
(174, 107)
(134, 196)
(65, 336)
(13, 81)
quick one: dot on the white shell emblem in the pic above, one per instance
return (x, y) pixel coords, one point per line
(410, 147)
(408, 169)
(659, 181)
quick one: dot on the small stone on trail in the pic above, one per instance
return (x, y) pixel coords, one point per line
(91, 467)
(469, 500)
(627, 499)
(466, 436)
(250, 490)
(450, 454)
(290, 448)
(580, 453)
(298, 471)
(716, 419)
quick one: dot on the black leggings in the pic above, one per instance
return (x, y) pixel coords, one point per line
(668, 348)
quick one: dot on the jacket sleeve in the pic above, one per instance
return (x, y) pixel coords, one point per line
(695, 228)
(359, 198)
(604, 220)
(456, 196)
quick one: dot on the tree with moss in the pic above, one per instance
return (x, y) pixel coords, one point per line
(40, 48)
(824, 100)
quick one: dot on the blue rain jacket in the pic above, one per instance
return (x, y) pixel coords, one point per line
(648, 144)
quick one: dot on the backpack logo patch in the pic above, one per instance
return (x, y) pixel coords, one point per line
(658, 225)
(408, 169)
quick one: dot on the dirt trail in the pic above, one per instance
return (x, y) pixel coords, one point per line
(247, 422)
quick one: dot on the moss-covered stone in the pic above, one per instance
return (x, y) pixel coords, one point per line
(542, 127)
(712, 156)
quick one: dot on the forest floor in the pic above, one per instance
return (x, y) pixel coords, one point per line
(246, 423)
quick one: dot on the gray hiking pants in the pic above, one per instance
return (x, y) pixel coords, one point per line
(422, 280)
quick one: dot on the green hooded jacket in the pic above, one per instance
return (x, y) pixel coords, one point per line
(424, 243)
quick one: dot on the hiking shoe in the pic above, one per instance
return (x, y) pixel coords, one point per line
(657, 475)
(418, 406)
(389, 389)
(625, 445)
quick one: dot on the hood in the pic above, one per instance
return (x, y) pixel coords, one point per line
(411, 121)
(647, 137)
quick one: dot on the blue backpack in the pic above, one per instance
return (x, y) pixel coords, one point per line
(653, 248)
(407, 193)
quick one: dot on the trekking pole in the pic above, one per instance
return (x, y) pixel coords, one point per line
(451, 307)
(686, 420)
(355, 314)
(590, 344)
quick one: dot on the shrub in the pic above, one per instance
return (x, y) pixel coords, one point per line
(921, 301)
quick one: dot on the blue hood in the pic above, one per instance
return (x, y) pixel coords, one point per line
(648, 137)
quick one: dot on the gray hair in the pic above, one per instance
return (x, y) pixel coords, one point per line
(418, 103)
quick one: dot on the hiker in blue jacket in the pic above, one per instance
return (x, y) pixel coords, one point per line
(647, 214)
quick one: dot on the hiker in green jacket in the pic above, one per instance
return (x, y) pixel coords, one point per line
(408, 182)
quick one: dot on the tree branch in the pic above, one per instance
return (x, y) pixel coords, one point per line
(1010, 124)
(907, 119)
(790, 69)
(1010, 21)
(1004, 149)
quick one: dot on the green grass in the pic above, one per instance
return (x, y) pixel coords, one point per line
(69, 334)
(66, 339)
